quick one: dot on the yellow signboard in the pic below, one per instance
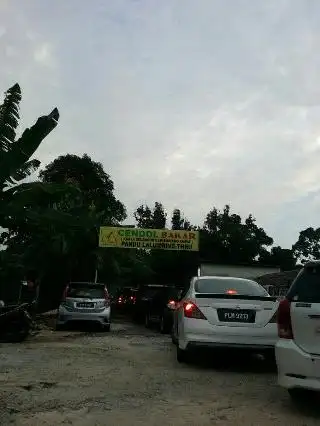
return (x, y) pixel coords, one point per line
(163, 239)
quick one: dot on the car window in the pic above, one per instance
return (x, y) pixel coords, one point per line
(306, 287)
(86, 291)
(149, 292)
(175, 293)
(222, 286)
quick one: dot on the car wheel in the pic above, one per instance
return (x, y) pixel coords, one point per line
(270, 357)
(59, 327)
(163, 328)
(173, 337)
(182, 355)
(300, 396)
(147, 321)
(107, 327)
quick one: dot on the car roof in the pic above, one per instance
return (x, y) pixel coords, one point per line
(223, 278)
(312, 263)
(88, 283)
(157, 285)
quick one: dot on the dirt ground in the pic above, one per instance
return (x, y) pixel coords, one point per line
(130, 377)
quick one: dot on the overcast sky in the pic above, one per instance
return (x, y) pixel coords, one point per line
(194, 103)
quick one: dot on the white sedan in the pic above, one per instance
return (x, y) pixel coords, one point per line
(225, 312)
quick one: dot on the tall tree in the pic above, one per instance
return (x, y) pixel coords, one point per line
(144, 217)
(73, 247)
(15, 163)
(227, 238)
(308, 245)
(159, 216)
(147, 218)
(179, 222)
(277, 256)
(94, 183)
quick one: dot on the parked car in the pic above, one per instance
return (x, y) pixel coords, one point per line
(298, 348)
(126, 298)
(225, 312)
(84, 302)
(144, 295)
(160, 306)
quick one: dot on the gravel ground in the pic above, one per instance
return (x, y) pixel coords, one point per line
(130, 377)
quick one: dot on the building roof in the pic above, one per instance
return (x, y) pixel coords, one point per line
(279, 279)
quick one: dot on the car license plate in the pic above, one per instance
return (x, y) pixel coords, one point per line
(236, 315)
(85, 305)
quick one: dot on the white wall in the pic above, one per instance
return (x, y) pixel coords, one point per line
(235, 271)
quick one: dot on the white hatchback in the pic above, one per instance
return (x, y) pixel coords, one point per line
(225, 312)
(298, 348)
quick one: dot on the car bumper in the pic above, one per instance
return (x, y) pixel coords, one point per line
(296, 368)
(200, 335)
(64, 317)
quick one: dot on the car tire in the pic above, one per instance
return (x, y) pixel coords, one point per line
(300, 396)
(107, 328)
(162, 326)
(182, 355)
(173, 337)
(147, 320)
(270, 358)
(59, 327)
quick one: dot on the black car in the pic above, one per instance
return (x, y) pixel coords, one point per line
(125, 299)
(154, 305)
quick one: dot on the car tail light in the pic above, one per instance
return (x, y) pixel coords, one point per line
(106, 298)
(120, 300)
(231, 292)
(171, 304)
(284, 320)
(191, 310)
(65, 293)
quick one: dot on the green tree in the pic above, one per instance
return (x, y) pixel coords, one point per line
(143, 216)
(93, 182)
(15, 154)
(308, 245)
(178, 222)
(159, 216)
(226, 238)
(277, 256)
(61, 251)
(151, 219)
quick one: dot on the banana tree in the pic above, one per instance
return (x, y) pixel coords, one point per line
(15, 154)
(15, 158)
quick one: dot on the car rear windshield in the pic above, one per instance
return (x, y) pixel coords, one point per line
(306, 287)
(223, 286)
(175, 293)
(150, 291)
(81, 291)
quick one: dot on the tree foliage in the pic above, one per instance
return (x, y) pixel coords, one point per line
(148, 218)
(308, 245)
(229, 239)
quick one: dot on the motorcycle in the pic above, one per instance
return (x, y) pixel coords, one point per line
(15, 323)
